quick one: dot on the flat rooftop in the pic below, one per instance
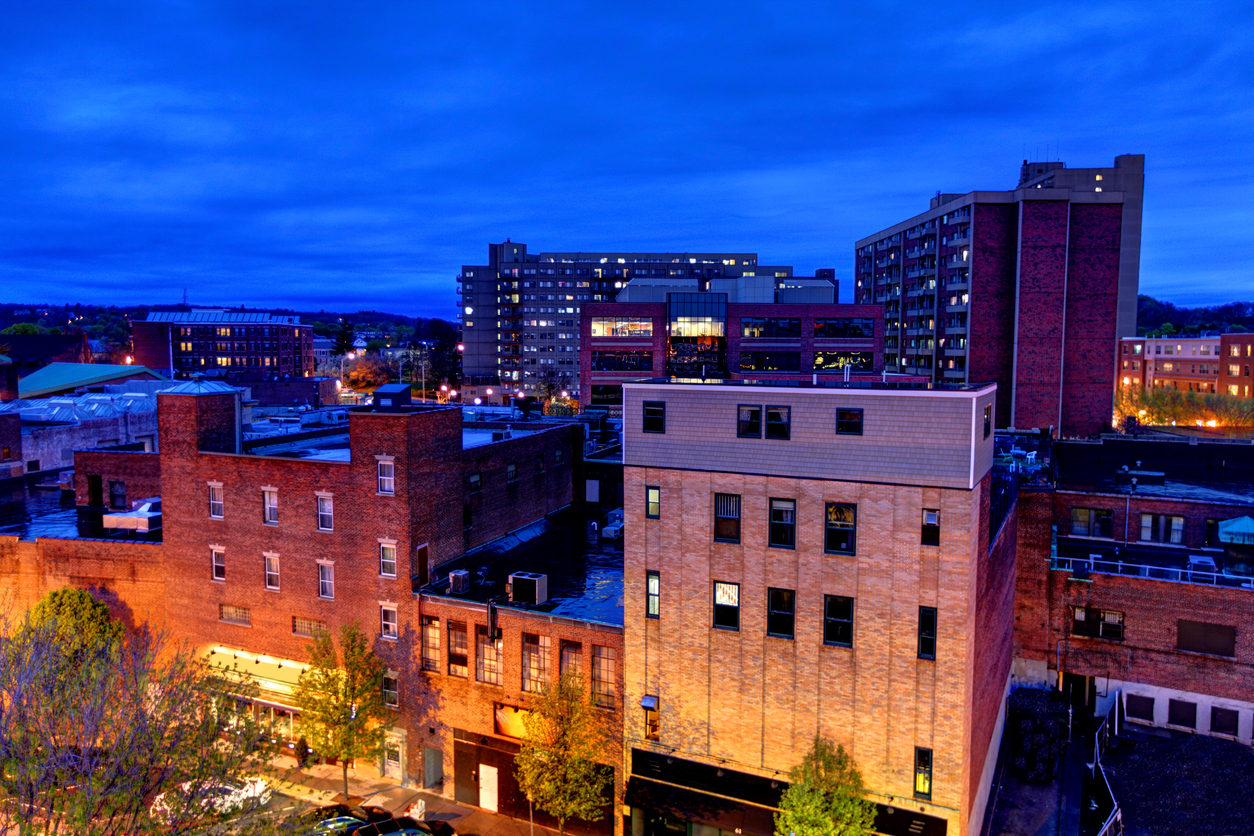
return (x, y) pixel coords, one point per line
(335, 447)
(889, 384)
(1221, 472)
(585, 574)
(29, 512)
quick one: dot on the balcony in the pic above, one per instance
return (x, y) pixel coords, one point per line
(957, 261)
(913, 233)
(955, 350)
(956, 283)
(955, 374)
(922, 249)
(1173, 568)
(963, 237)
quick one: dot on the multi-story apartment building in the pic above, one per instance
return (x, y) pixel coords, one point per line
(680, 332)
(520, 312)
(1218, 364)
(213, 342)
(1136, 581)
(811, 559)
(1028, 288)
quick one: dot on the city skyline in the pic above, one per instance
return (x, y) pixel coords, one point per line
(356, 159)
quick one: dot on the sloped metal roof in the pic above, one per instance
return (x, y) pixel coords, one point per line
(200, 387)
(221, 316)
(66, 377)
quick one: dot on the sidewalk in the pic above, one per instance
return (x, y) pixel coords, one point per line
(323, 784)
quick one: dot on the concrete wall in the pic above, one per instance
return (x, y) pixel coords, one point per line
(51, 447)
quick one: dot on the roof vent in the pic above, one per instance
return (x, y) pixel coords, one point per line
(528, 588)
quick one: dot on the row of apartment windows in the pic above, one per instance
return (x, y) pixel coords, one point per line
(754, 421)
(536, 656)
(1191, 636)
(386, 485)
(388, 624)
(840, 522)
(781, 614)
(474, 482)
(1155, 528)
(237, 331)
(326, 570)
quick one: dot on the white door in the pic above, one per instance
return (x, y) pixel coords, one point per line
(487, 787)
(393, 757)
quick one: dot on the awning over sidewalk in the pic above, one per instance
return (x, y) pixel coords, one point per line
(268, 679)
(691, 805)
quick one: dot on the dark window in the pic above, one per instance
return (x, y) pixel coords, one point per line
(539, 464)
(727, 605)
(608, 394)
(770, 361)
(117, 495)
(1212, 532)
(655, 416)
(922, 773)
(930, 535)
(749, 421)
(849, 422)
(476, 482)
(652, 502)
(1201, 637)
(988, 420)
(842, 528)
(781, 611)
(1181, 713)
(927, 632)
(783, 528)
(727, 517)
(652, 595)
(1224, 720)
(778, 422)
(391, 690)
(776, 328)
(622, 361)
(511, 473)
(1140, 707)
(1092, 522)
(468, 515)
(1096, 623)
(838, 620)
(856, 329)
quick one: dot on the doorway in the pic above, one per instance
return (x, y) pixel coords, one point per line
(432, 767)
(95, 490)
(488, 787)
(1079, 690)
(394, 758)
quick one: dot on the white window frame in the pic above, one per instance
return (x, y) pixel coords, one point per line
(217, 561)
(326, 581)
(395, 624)
(329, 513)
(395, 693)
(219, 504)
(267, 557)
(384, 546)
(270, 506)
(386, 484)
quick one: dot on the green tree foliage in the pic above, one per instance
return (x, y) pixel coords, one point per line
(26, 329)
(92, 731)
(341, 699)
(825, 796)
(375, 346)
(557, 767)
(76, 619)
(343, 340)
(1153, 317)
(1162, 407)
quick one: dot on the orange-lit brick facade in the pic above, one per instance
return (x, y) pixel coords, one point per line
(748, 700)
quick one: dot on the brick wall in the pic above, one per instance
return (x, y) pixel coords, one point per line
(990, 326)
(10, 444)
(140, 472)
(150, 344)
(1244, 362)
(807, 344)
(656, 311)
(1126, 510)
(129, 576)
(1088, 380)
(1042, 292)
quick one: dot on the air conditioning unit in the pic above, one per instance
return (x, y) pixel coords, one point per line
(458, 582)
(528, 588)
(931, 518)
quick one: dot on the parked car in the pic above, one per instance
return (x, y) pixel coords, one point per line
(406, 826)
(212, 798)
(342, 819)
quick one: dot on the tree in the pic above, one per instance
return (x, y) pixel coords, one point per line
(343, 340)
(557, 767)
(26, 329)
(76, 619)
(375, 346)
(825, 796)
(341, 705)
(92, 731)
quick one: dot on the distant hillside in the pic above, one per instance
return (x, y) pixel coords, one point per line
(1152, 316)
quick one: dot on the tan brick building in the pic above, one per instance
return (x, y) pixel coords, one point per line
(805, 560)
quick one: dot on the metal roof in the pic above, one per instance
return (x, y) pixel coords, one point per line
(200, 387)
(66, 377)
(221, 316)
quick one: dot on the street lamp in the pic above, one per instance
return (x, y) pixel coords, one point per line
(343, 357)
(565, 394)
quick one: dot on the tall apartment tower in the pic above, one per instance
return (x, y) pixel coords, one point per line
(520, 312)
(1030, 288)
(813, 559)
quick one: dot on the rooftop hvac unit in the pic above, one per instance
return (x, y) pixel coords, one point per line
(458, 582)
(528, 588)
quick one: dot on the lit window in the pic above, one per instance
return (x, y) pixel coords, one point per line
(727, 605)
(841, 531)
(430, 643)
(458, 649)
(922, 773)
(535, 662)
(653, 502)
(652, 595)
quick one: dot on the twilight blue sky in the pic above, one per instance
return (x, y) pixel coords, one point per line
(354, 155)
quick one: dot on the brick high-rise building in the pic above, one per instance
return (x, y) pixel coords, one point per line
(214, 342)
(521, 308)
(1029, 288)
(808, 559)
